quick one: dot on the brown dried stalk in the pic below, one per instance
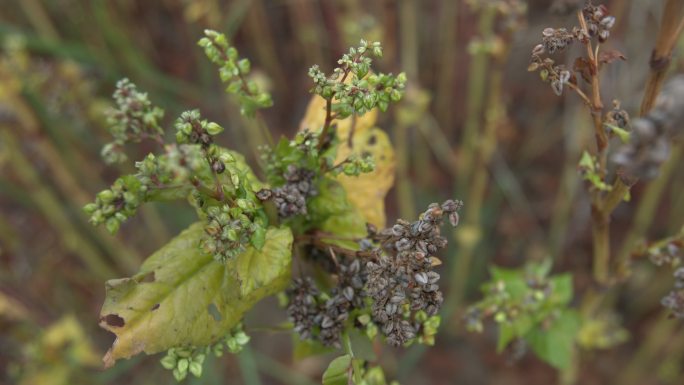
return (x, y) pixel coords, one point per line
(671, 27)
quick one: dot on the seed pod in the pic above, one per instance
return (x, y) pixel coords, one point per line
(421, 278)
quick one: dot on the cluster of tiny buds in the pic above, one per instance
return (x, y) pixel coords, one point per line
(228, 232)
(290, 198)
(116, 204)
(190, 128)
(133, 119)
(498, 304)
(674, 301)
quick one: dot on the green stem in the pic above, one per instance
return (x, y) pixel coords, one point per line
(248, 366)
(478, 72)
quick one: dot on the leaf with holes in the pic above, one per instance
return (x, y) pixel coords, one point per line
(183, 297)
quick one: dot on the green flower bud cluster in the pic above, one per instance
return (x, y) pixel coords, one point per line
(116, 204)
(234, 341)
(517, 298)
(154, 170)
(300, 152)
(355, 166)
(231, 229)
(427, 327)
(234, 71)
(182, 361)
(190, 128)
(353, 88)
(133, 119)
(369, 328)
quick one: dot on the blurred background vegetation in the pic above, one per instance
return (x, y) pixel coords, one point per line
(474, 125)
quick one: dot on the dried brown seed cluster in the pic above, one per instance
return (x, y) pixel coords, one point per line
(674, 301)
(651, 135)
(290, 199)
(322, 317)
(554, 40)
(303, 308)
(617, 116)
(399, 281)
(403, 282)
(599, 22)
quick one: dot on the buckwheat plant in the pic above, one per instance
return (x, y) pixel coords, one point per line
(189, 297)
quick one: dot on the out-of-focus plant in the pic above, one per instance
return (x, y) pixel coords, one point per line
(514, 299)
(189, 297)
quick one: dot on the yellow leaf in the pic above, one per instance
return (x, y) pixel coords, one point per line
(68, 337)
(12, 309)
(367, 191)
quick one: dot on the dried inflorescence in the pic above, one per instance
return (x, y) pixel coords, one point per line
(303, 308)
(617, 117)
(399, 281)
(346, 296)
(599, 22)
(650, 137)
(290, 198)
(134, 118)
(555, 40)
(674, 301)
(321, 316)
(402, 282)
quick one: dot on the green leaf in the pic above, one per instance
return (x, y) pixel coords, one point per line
(587, 162)
(623, 134)
(169, 302)
(508, 331)
(307, 348)
(362, 346)
(337, 371)
(556, 345)
(258, 238)
(331, 212)
(260, 270)
(514, 280)
(562, 288)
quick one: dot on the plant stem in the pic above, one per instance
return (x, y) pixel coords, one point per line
(248, 366)
(671, 26)
(322, 139)
(476, 95)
